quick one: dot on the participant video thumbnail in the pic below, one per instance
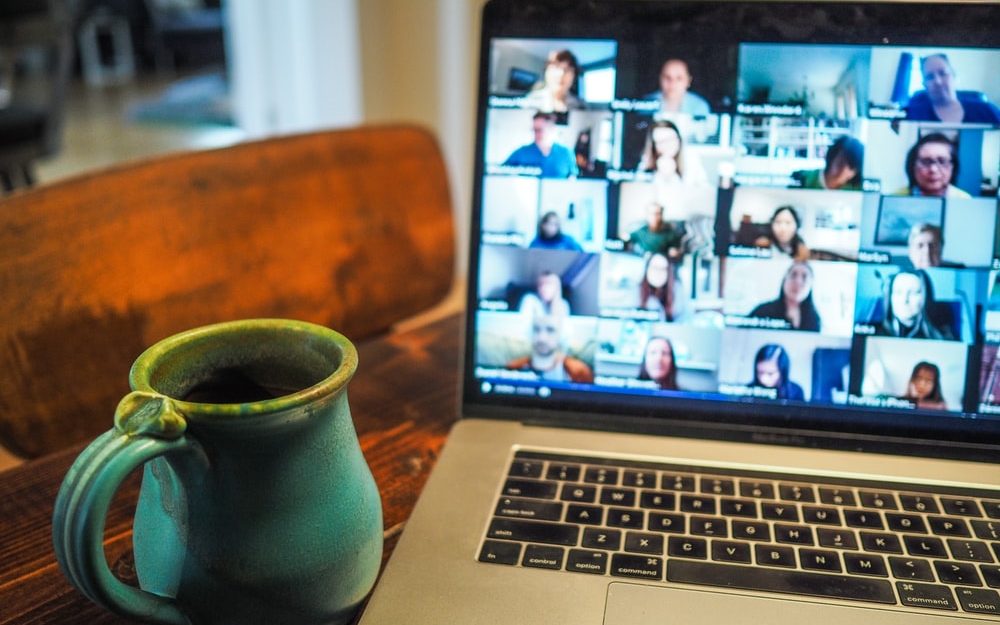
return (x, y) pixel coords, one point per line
(899, 373)
(536, 282)
(951, 85)
(798, 224)
(657, 356)
(923, 232)
(531, 143)
(918, 159)
(546, 214)
(552, 75)
(803, 80)
(785, 294)
(548, 348)
(938, 304)
(785, 366)
(989, 379)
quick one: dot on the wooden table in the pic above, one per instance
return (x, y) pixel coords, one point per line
(403, 399)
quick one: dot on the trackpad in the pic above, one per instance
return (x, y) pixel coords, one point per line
(634, 604)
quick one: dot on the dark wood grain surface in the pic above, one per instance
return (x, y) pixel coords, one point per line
(403, 400)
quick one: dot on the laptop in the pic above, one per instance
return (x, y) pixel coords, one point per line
(732, 326)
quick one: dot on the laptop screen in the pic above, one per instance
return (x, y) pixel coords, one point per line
(747, 213)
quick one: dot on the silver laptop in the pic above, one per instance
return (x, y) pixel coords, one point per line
(731, 341)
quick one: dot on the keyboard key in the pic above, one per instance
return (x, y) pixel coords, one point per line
(601, 475)
(651, 544)
(657, 500)
(529, 488)
(881, 543)
(644, 567)
(708, 526)
(619, 517)
(797, 492)
(822, 516)
(979, 600)
(580, 494)
(617, 496)
(905, 523)
(601, 538)
(529, 509)
(640, 479)
(582, 561)
(819, 560)
(992, 509)
(563, 472)
(922, 546)
(911, 568)
(728, 551)
(739, 507)
(957, 573)
(880, 501)
(960, 507)
(837, 497)
(969, 550)
(718, 486)
(758, 490)
(534, 531)
(837, 538)
(781, 580)
(948, 526)
(919, 503)
(751, 530)
(864, 564)
(863, 518)
(499, 552)
(526, 468)
(677, 482)
(682, 547)
(772, 555)
(584, 515)
(540, 557)
(779, 512)
(698, 505)
(926, 596)
(794, 534)
(991, 574)
(673, 523)
(987, 530)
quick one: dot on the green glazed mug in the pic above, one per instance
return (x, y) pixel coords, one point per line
(256, 504)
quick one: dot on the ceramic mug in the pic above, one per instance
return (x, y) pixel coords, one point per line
(256, 505)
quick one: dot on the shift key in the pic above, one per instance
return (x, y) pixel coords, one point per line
(534, 532)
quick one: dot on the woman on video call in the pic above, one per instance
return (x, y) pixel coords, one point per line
(924, 387)
(909, 298)
(556, 93)
(783, 234)
(844, 164)
(795, 301)
(664, 155)
(655, 290)
(658, 363)
(770, 370)
(932, 168)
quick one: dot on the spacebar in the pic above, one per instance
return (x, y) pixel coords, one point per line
(778, 580)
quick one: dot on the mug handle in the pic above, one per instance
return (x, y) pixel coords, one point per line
(147, 425)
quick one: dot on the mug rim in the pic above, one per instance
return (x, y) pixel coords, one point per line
(144, 366)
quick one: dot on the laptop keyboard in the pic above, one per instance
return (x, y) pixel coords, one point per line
(873, 542)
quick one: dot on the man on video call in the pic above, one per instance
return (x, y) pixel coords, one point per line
(675, 93)
(556, 161)
(547, 358)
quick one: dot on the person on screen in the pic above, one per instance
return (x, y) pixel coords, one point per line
(547, 299)
(551, 237)
(658, 363)
(908, 299)
(555, 160)
(844, 162)
(924, 387)
(547, 358)
(924, 246)
(771, 366)
(940, 102)
(795, 301)
(657, 236)
(655, 291)
(675, 95)
(556, 93)
(664, 156)
(932, 168)
(783, 234)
